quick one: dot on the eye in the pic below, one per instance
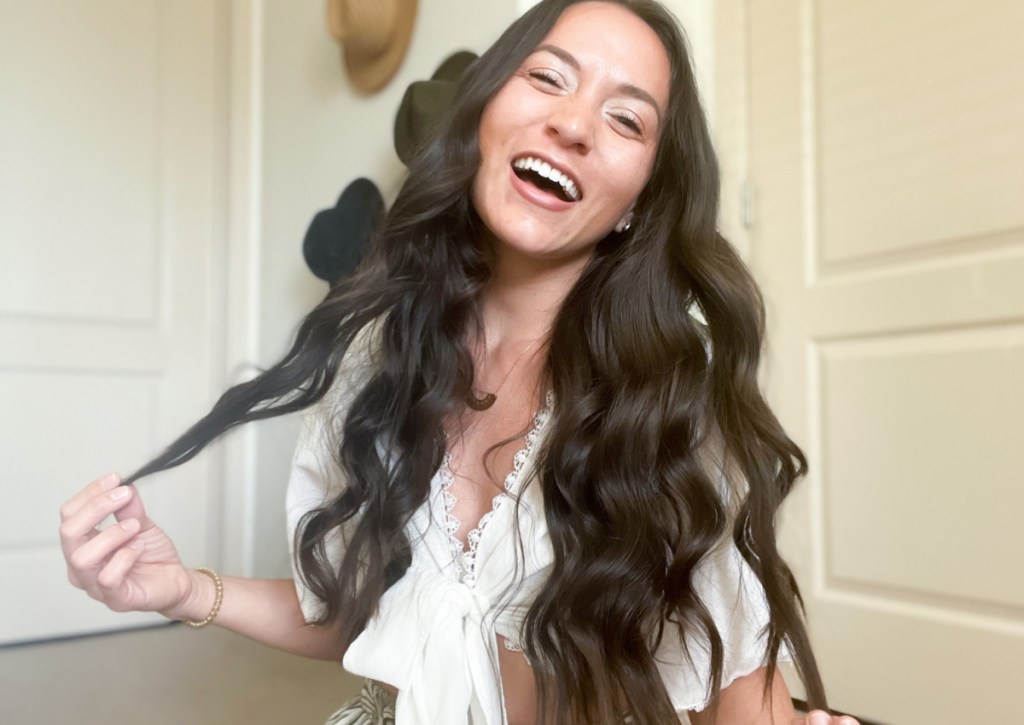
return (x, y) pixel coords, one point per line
(629, 121)
(547, 77)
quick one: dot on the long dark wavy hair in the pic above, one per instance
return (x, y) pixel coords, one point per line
(641, 389)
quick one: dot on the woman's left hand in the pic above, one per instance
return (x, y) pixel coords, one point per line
(820, 717)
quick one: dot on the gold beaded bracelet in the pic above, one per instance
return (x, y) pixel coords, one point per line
(216, 602)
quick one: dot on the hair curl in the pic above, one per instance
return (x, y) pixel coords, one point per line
(630, 502)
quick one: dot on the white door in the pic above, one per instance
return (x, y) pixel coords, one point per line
(110, 199)
(884, 143)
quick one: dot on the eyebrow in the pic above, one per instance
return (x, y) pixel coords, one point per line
(627, 89)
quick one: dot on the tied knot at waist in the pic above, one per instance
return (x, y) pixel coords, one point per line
(433, 638)
(462, 601)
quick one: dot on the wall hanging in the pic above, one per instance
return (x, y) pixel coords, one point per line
(374, 35)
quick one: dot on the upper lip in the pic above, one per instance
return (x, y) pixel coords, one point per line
(555, 164)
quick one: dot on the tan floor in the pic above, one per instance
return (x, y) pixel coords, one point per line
(167, 675)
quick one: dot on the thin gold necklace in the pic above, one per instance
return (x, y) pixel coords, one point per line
(486, 400)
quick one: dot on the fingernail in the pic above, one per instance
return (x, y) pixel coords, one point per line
(120, 493)
(110, 480)
(130, 525)
(819, 718)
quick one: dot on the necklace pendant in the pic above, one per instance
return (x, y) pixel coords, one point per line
(482, 403)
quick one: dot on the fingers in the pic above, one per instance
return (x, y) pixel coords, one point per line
(820, 717)
(79, 526)
(92, 554)
(105, 564)
(111, 577)
(103, 483)
(133, 509)
(83, 545)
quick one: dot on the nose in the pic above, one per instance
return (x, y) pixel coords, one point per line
(571, 124)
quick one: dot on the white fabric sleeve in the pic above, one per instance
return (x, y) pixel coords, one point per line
(313, 480)
(315, 477)
(736, 601)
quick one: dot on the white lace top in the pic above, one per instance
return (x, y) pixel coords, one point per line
(433, 636)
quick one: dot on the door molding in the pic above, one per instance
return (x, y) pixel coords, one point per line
(240, 265)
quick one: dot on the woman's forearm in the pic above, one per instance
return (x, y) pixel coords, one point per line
(265, 610)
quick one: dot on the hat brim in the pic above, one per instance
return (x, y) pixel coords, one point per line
(369, 74)
(422, 107)
(454, 66)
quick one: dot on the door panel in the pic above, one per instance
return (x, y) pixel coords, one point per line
(111, 136)
(883, 145)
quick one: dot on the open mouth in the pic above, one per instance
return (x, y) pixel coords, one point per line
(547, 178)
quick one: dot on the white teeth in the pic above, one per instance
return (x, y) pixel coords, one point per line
(545, 169)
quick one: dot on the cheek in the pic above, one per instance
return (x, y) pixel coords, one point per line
(484, 193)
(625, 178)
(493, 120)
(484, 140)
(491, 139)
(487, 140)
(513, 111)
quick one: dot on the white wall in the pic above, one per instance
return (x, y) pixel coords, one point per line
(697, 19)
(317, 136)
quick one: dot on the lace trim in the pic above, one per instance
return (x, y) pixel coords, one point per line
(452, 524)
(513, 647)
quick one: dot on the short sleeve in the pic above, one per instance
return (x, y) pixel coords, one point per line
(736, 601)
(315, 477)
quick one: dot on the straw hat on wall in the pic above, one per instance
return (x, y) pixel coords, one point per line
(375, 35)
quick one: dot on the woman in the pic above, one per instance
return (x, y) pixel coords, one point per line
(533, 485)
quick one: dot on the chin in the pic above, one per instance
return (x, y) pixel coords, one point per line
(548, 252)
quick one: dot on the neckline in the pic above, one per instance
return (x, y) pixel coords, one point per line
(466, 557)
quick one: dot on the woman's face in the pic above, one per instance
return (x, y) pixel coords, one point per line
(569, 141)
